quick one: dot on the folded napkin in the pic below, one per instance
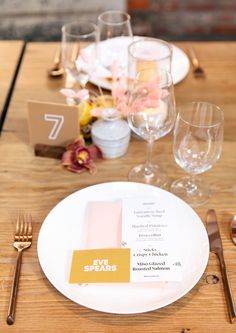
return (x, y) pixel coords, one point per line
(103, 225)
(104, 230)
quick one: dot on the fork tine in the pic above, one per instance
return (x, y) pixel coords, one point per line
(17, 232)
(19, 228)
(29, 231)
(21, 233)
(25, 224)
(23, 228)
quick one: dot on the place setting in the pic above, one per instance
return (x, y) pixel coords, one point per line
(137, 244)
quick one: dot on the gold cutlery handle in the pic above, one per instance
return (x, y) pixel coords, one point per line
(14, 288)
(57, 57)
(193, 56)
(228, 292)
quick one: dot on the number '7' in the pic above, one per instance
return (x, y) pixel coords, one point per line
(58, 122)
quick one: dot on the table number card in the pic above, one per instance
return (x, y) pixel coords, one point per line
(147, 230)
(52, 124)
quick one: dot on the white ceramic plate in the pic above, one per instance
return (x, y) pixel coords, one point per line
(62, 232)
(180, 61)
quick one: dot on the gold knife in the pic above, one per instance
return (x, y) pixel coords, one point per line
(216, 247)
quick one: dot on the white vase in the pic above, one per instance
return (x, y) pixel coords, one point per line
(111, 134)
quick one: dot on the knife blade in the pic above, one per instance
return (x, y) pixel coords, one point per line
(217, 248)
(213, 232)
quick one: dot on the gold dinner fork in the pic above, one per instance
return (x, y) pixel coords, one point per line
(22, 241)
(198, 71)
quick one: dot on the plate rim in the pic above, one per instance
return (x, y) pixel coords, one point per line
(99, 81)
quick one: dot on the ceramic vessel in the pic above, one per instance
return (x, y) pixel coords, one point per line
(111, 134)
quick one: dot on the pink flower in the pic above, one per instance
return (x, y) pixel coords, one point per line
(80, 94)
(79, 158)
(119, 89)
(146, 95)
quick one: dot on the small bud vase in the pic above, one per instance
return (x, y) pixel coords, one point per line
(111, 134)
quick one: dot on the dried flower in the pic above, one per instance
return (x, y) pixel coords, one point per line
(79, 157)
(80, 94)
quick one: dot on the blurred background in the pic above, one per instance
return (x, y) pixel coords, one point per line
(41, 20)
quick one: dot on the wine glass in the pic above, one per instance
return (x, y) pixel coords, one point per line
(113, 29)
(149, 53)
(151, 115)
(198, 138)
(78, 58)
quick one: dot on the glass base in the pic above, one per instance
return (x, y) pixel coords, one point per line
(149, 175)
(192, 190)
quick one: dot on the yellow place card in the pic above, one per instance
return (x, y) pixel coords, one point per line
(100, 266)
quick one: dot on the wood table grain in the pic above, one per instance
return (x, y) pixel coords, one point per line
(36, 185)
(9, 55)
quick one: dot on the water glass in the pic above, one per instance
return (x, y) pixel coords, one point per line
(198, 138)
(78, 59)
(113, 29)
(149, 53)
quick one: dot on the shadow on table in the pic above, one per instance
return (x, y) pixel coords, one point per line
(137, 319)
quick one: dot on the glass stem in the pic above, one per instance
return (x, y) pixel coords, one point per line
(149, 157)
(191, 185)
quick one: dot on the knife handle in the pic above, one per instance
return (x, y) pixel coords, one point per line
(228, 292)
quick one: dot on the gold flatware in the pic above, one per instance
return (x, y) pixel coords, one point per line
(198, 71)
(22, 241)
(233, 229)
(57, 70)
(216, 247)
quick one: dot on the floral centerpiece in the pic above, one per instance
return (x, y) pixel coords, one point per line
(107, 137)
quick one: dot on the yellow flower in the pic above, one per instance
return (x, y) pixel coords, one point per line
(84, 113)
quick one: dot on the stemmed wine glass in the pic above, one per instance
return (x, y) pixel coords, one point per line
(149, 53)
(151, 115)
(198, 138)
(113, 29)
(78, 59)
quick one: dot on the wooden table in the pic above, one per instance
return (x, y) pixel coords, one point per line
(9, 54)
(36, 184)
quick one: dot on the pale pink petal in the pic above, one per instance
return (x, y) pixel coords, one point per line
(96, 112)
(85, 56)
(68, 93)
(124, 109)
(95, 152)
(79, 142)
(92, 167)
(119, 89)
(76, 168)
(115, 70)
(66, 158)
(81, 94)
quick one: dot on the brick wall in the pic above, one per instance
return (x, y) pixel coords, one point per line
(184, 19)
(169, 19)
(42, 19)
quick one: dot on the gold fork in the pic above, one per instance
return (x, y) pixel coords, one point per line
(198, 71)
(22, 241)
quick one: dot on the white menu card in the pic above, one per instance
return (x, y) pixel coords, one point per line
(149, 231)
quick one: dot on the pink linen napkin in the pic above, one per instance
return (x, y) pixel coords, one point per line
(103, 225)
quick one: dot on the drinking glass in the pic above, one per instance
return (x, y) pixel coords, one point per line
(198, 137)
(113, 28)
(77, 59)
(151, 115)
(149, 53)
